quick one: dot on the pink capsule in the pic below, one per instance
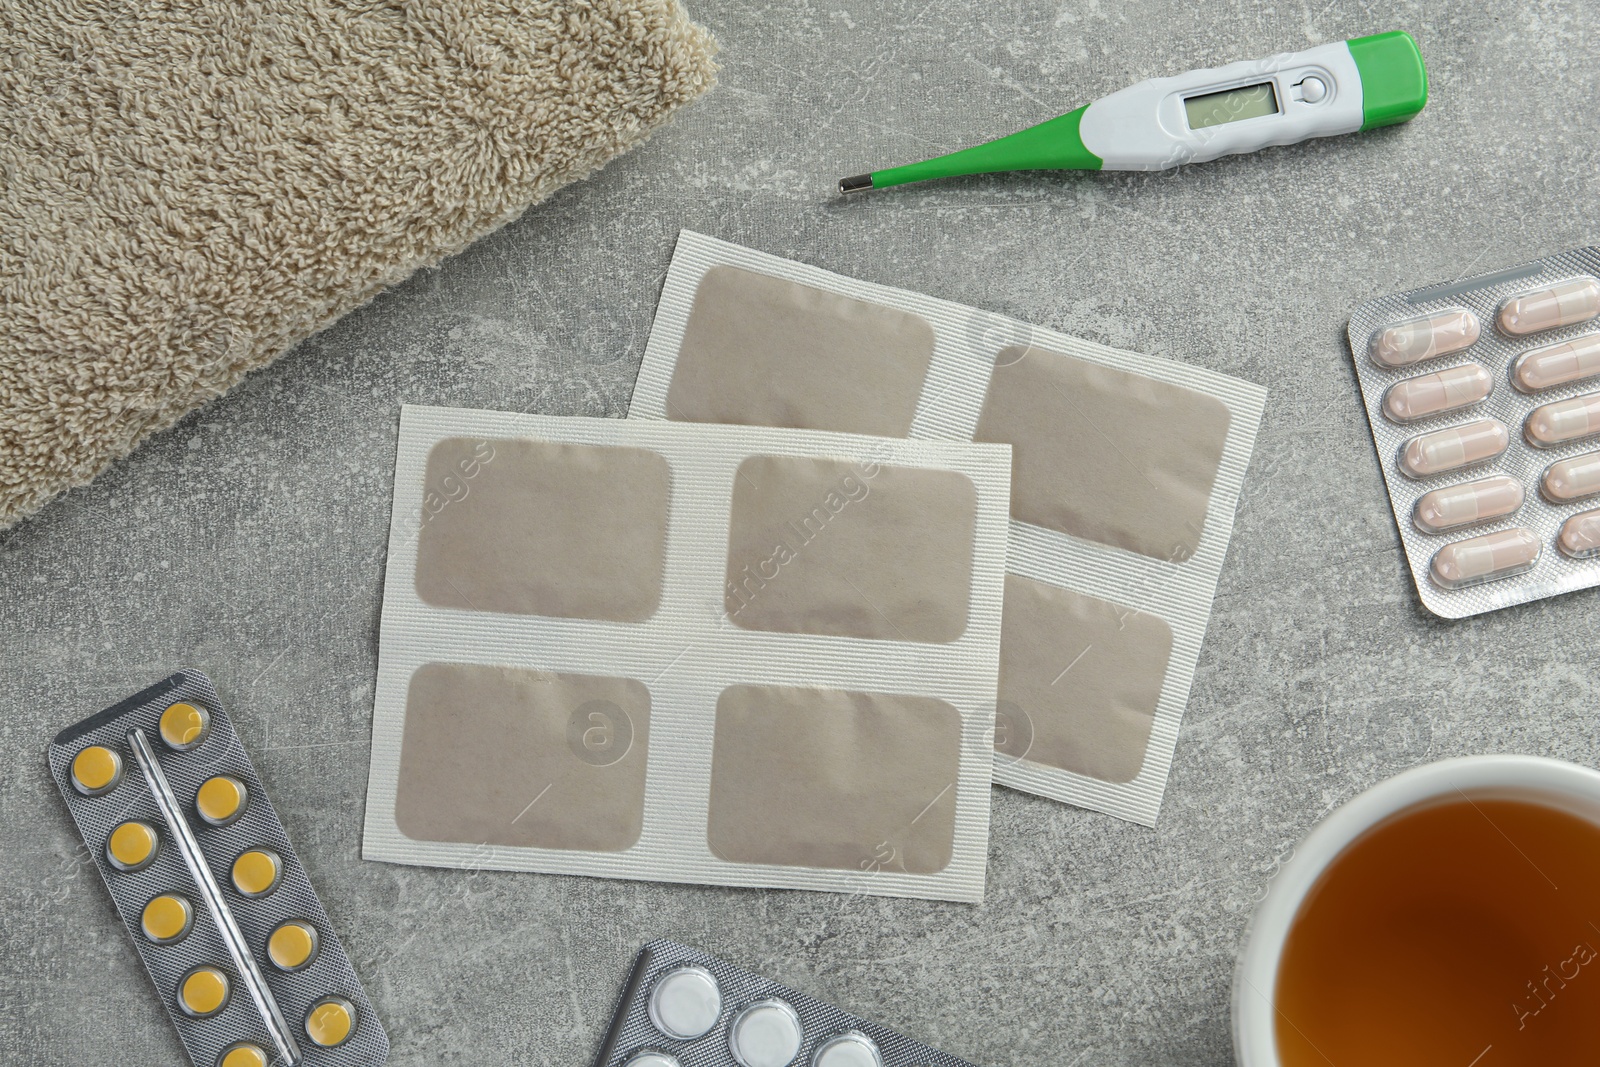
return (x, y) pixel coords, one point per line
(1424, 337)
(1563, 421)
(1486, 558)
(1580, 535)
(1559, 304)
(1572, 479)
(1436, 393)
(1455, 506)
(1453, 447)
(1557, 364)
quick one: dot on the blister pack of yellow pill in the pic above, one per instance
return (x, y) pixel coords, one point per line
(1484, 401)
(200, 869)
(683, 1008)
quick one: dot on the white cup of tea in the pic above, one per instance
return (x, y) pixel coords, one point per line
(1501, 970)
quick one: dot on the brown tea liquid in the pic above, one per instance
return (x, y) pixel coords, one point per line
(1461, 934)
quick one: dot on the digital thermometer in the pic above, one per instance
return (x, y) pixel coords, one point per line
(1195, 117)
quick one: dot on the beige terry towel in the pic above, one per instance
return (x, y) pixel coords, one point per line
(189, 187)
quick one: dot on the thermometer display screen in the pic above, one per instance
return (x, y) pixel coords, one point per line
(1231, 105)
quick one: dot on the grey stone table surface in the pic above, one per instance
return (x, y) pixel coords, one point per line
(249, 540)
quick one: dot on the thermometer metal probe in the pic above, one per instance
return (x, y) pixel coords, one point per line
(1162, 123)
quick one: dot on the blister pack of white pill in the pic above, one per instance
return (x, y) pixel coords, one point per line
(1126, 472)
(683, 1008)
(1484, 401)
(726, 655)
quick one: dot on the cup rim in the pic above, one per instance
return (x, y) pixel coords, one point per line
(1255, 976)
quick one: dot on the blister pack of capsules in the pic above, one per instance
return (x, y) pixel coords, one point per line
(203, 875)
(1125, 472)
(683, 1008)
(1484, 401)
(720, 654)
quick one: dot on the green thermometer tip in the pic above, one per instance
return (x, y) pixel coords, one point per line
(1054, 145)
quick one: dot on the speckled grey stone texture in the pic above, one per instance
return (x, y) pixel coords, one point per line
(249, 540)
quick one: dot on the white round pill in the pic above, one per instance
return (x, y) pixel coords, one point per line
(852, 1049)
(651, 1059)
(685, 1003)
(766, 1034)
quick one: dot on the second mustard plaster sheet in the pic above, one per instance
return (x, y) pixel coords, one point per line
(1126, 472)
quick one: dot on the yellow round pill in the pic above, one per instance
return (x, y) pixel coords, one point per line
(95, 770)
(167, 918)
(330, 1021)
(184, 726)
(132, 846)
(221, 800)
(244, 1054)
(203, 991)
(293, 945)
(255, 873)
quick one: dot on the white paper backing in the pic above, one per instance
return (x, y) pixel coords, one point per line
(688, 652)
(966, 341)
